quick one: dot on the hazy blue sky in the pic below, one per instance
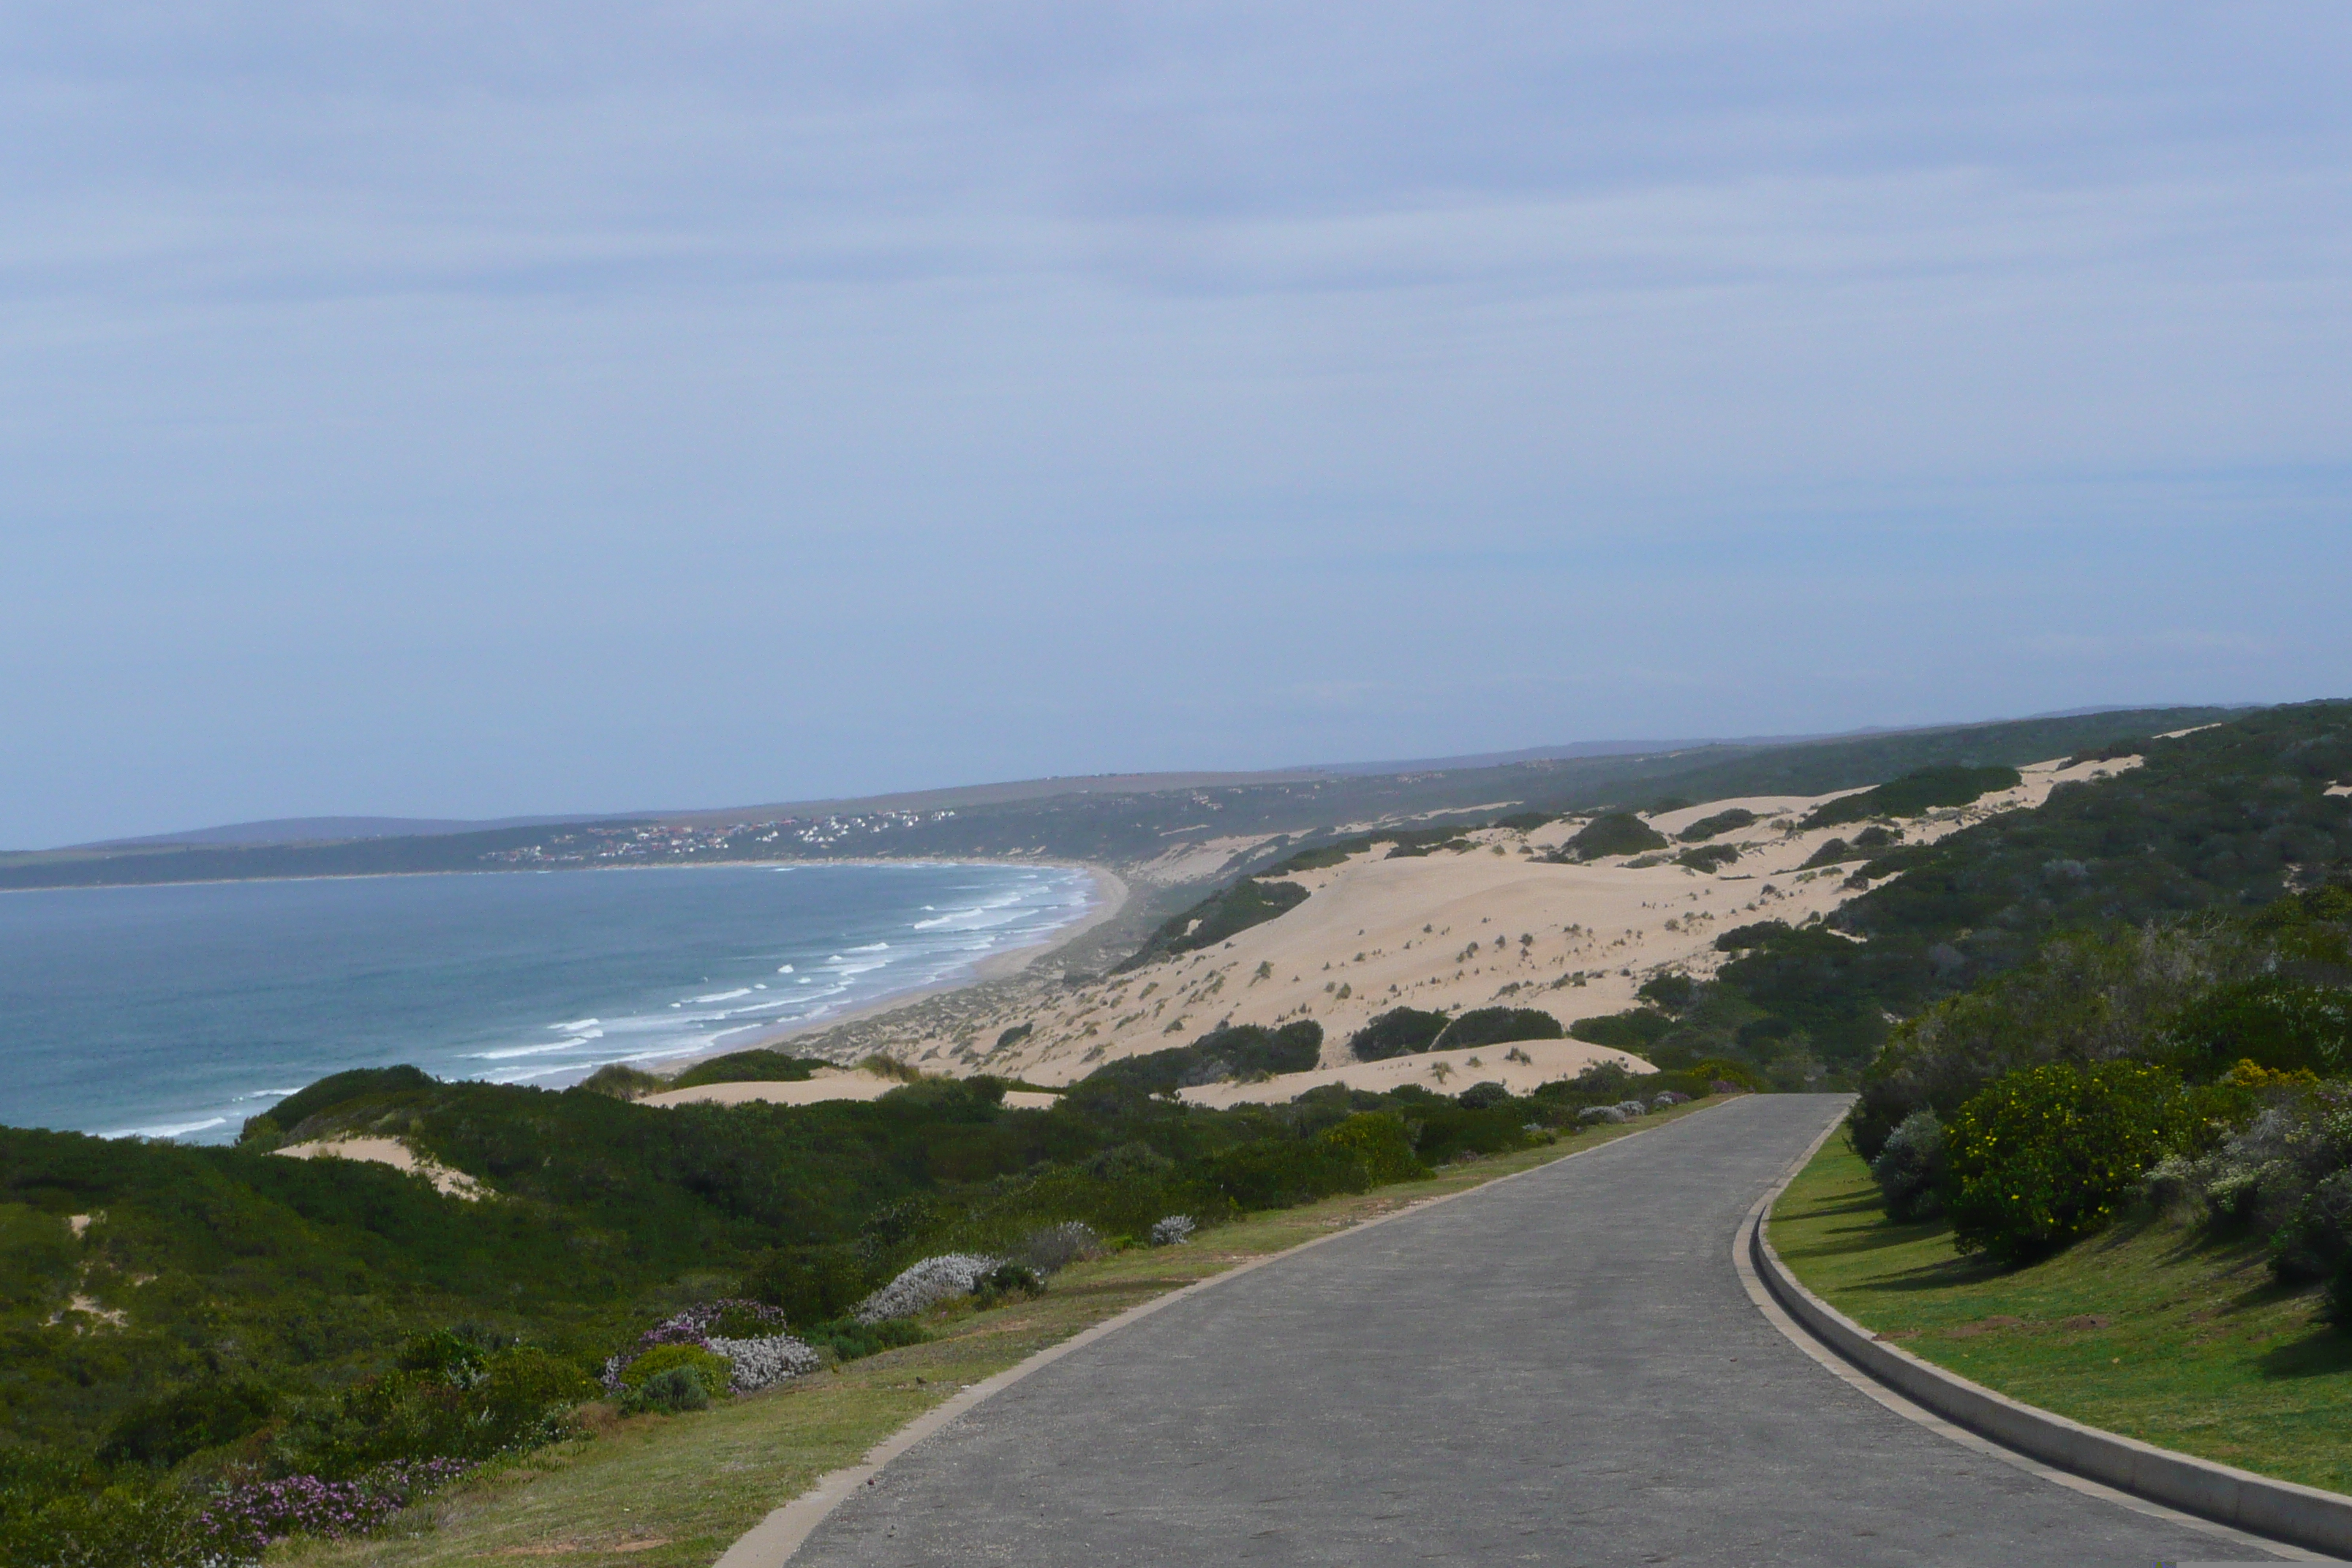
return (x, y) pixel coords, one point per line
(458, 409)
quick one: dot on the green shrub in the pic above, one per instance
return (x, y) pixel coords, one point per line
(1707, 827)
(622, 1081)
(1498, 1026)
(1913, 793)
(1283, 1173)
(1711, 858)
(1635, 1031)
(671, 1390)
(850, 1340)
(711, 1370)
(1668, 993)
(167, 1428)
(1613, 832)
(2050, 1153)
(1909, 1169)
(444, 1406)
(1007, 1282)
(52, 1517)
(1381, 1141)
(755, 1066)
(1399, 1032)
(2274, 1021)
(1241, 1050)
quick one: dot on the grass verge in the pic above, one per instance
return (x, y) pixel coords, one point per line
(660, 1492)
(2153, 1329)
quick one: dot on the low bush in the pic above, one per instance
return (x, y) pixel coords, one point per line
(2048, 1154)
(850, 1340)
(165, 1429)
(1496, 1026)
(1240, 1050)
(1483, 1096)
(1635, 1031)
(1708, 858)
(1613, 832)
(669, 1392)
(1007, 1282)
(755, 1066)
(1400, 1032)
(813, 1284)
(1056, 1247)
(1707, 827)
(712, 1371)
(1381, 1139)
(1909, 1169)
(622, 1081)
(2272, 1020)
(437, 1405)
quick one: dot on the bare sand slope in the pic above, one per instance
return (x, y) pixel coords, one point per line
(393, 1153)
(1488, 925)
(1520, 1066)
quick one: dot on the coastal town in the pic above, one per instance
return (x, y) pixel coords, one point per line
(648, 843)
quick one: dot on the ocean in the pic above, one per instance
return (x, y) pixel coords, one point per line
(177, 1012)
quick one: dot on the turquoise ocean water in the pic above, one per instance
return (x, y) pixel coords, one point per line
(179, 1011)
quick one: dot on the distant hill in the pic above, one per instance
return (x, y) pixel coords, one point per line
(328, 830)
(1145, 822)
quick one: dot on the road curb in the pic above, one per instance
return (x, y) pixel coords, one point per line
(776, 1538)
(2283, 1511)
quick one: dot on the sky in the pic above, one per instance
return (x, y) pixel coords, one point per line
(450, 410)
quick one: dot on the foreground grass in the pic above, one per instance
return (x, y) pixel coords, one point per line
(2152, 1329)
(659, 1492)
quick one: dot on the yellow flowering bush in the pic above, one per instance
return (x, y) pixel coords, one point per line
(2047, 1155)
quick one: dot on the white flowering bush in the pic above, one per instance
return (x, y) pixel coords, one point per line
(926, 1284)
(765, 1362)
(1173, 1231)
(1595, 1115)
(1630, 1109)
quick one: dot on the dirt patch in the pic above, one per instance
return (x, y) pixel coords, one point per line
(1983, 1326)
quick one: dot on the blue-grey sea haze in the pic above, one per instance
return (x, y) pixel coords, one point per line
(440, 409)
(180, 1011)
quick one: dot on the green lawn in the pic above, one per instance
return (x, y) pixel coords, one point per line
(2151, 1330)
(661, 1492)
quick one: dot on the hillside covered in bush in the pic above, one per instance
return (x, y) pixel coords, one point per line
(303, 1344)
(2229, 818)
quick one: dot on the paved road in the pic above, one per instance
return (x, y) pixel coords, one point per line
(1561, 1369)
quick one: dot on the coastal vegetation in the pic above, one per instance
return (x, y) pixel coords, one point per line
(754, 1066)
(1707, 827)
(2229, 819)
(1612, 833)
(314, 1344)
(1915, 793)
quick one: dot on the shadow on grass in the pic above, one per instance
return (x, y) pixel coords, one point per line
(2324, 1352)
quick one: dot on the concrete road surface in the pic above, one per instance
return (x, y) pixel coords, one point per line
(1560, 1369)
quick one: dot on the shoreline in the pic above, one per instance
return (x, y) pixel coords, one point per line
(1111, 893)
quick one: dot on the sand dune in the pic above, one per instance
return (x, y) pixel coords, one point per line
(1488, 925)
(393, 1153)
